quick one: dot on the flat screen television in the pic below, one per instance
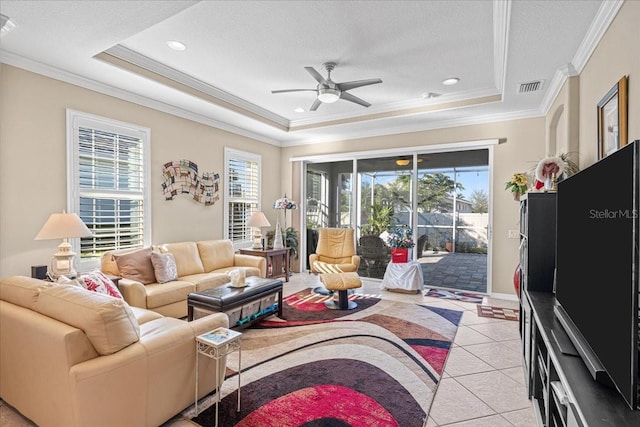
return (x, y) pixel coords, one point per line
(597, 269)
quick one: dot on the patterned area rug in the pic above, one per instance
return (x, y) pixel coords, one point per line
(460, 296)
(376, 365)
(498, 312)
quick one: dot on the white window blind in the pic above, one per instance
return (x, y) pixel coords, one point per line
(242, 179)
(108, 183)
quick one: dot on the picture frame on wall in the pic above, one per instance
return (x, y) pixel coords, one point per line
(612, 119)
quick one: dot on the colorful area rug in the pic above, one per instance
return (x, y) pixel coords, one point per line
(456, 295)
(497, 312)
(376, 365)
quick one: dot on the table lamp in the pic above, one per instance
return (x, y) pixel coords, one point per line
(258, 220)
(63, 226)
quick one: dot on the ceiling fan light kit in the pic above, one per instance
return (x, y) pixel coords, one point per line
(327, 91)
(328, 96)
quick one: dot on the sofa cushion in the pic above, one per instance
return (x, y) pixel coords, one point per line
(164, 267)
(143, 315)
(22, 290)
(186, 256)
(108, 322)
(136, 265)
(208, 280)
(216, 254)
(161, 294)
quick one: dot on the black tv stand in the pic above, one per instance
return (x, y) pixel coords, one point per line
(564, 343)
(562, 388)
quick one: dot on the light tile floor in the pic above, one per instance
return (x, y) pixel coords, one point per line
(483, 380)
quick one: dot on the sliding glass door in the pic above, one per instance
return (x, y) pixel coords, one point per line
(385, 189)
(441, 196)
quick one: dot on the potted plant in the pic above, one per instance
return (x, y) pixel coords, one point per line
(400, 240)
(517, 184)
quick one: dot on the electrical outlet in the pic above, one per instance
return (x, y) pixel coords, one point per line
(514, 234)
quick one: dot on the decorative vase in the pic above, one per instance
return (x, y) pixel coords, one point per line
(550, 183)
(399, 255)
(516, 196)
(277, 238)
(516, 280)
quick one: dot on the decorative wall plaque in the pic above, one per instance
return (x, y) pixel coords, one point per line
(181, 177)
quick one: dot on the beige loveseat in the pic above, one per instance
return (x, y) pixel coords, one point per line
(200, 265)
(72, 357)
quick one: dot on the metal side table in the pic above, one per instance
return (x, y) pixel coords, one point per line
(216, 344)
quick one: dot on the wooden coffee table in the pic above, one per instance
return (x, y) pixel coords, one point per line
(232, 301)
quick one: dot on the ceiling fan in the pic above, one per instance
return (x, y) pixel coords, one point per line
(328, 91)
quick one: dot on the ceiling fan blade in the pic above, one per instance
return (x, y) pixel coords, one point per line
(316, 75)
(315, 105)
(293, 90)
(357, 83)
(348, 97)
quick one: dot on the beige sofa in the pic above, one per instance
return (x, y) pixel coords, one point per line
(200, 265)
(72, 357)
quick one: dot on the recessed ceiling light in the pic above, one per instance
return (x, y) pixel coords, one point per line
(299, 110)
(451, 81)
(176, 45)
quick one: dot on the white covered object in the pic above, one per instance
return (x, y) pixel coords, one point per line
(405, 276)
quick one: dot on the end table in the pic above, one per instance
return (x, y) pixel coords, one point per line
(216, 344)
(403, 277)
(278, 259)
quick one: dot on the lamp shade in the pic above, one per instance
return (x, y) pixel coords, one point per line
(257, 219)
(285, 203)
(63, 226)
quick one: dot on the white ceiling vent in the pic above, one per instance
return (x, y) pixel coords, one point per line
(528, 87)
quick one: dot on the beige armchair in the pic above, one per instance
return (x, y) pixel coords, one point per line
(335, 252)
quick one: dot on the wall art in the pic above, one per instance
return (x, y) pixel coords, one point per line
(181, 177)
(612, 119)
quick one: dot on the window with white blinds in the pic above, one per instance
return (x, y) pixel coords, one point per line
(108, 184)
(242, 184)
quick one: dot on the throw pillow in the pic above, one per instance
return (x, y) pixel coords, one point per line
(136, 266)
(164, 267)
(96, 281)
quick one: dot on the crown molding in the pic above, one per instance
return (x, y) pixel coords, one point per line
(404, 108)
(607, 12)
(132, 57)
(501, 20)
(422, 149)
(443, 124)
(559, 77)
(67, 77)
(605, 15)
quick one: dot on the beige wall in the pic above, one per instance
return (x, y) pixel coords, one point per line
(33, 164)
(617, 55)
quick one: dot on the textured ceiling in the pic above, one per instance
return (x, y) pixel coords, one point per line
(238, 52)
